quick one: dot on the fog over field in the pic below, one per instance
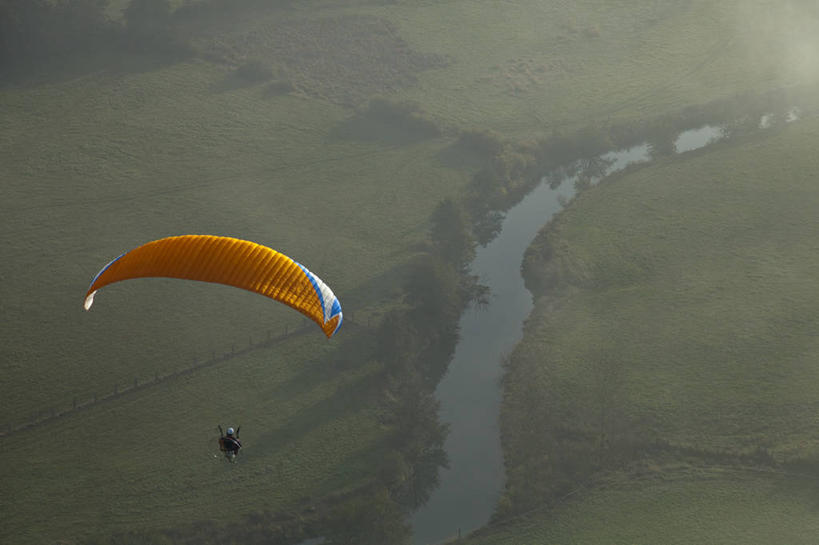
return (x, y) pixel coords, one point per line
(458, 271)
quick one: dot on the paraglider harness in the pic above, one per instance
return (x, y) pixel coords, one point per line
(229, 444)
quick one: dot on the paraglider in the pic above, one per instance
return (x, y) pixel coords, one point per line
(229, 261)
(229, 443)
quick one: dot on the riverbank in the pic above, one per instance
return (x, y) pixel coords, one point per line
(673, 325)
(100, 157)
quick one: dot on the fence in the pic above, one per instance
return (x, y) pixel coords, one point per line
(77, 405)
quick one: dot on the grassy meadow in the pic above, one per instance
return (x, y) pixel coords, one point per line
(102, 157)
(101, 164)
(676, 310)
(695, 505)
(527, 68)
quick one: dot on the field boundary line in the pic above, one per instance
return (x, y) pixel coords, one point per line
(52, 414)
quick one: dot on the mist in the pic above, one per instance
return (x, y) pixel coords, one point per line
(573, 243)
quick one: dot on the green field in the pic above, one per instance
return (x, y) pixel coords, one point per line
(534, 67)
(99, 160)
(100, 165)
(693, 506)
(677, 309)
(92, 181)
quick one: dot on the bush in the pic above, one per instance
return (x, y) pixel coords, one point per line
(481, 141)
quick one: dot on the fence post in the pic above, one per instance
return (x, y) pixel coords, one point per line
(95, 397)
(116, 392)
(136, 382)
(74, 404)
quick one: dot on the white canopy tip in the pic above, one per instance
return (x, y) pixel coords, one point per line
(89, 300)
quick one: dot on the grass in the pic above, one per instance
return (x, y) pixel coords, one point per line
(307, 433)
(693, 506)
(249, 168)
(679, 307)
(539, 67)
(692, 275)
(95, 163)
(98, 165)
(533, 67)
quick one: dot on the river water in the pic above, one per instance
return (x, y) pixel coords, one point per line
(470, 392)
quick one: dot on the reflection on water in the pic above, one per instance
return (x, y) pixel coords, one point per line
(697, 138)
(769, 120)
(708, 134)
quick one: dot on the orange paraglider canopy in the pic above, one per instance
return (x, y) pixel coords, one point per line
(230, 261)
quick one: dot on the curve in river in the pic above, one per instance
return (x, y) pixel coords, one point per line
(470, 392)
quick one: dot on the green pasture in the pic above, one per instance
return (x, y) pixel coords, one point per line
(528, 67)
(97, 165)
(103, 157)
(677, 307)
(150, 460)
(694, 505)
(686, 287)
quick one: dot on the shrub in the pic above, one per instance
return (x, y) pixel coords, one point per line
(481, 141)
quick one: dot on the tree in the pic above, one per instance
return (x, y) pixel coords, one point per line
(451, 234)
(433, 290)
(373, 520)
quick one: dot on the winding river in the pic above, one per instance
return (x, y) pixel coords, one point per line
(470, 392)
